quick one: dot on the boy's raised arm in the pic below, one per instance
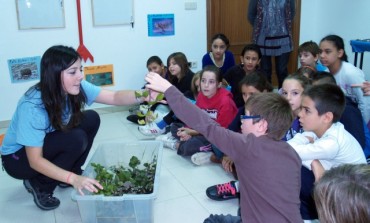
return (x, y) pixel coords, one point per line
(192, 115)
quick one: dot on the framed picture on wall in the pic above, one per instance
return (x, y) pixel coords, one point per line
(24, 69)
(161, 25)
(112, 12)
(100, 75)
(40, 14)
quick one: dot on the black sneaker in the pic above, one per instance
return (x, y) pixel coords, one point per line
(135, 119)
(222, 192)
(43, 200)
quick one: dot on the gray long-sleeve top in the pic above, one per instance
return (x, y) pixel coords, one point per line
(268, 170)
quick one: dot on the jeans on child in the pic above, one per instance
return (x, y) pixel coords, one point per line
(223, 219)
(308, 207)
(219, 154)
(193, 145)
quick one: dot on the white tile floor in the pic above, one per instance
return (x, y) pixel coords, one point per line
(181, 196)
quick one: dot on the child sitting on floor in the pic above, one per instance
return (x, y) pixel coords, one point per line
(292, 89)
(324, 139)
(250, 58)
(269, 169)
(214, 100)
(309, 53)
(180, 75)
(342, 195)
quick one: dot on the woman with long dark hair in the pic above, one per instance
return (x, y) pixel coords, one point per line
(50, 134)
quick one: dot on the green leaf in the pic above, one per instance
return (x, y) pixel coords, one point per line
(134, 162)
(159, 97)
(137, 94)
(140, 114)
(141, 121)
(145, 94)
(119, 180)
(151, 103)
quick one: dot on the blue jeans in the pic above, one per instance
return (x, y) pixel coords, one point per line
(223, 219)
(219, 154)
(308, 207)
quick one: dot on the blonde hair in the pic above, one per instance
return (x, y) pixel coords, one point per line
(193, 87)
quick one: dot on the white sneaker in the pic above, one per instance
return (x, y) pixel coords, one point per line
(168, 141)
(151, 129)
(201, 158)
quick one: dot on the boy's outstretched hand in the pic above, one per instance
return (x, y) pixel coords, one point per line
(156, 82)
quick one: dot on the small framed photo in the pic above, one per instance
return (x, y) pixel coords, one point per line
(161, 25)
(100, 75)
(24, 69)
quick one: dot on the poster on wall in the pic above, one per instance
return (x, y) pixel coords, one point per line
(24, 69)
(100, 75)
(161, 25)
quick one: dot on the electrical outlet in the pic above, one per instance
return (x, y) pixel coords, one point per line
(190, 5)
(193, 64)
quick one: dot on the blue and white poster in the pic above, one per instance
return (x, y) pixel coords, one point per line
(161, 25)
(24, 69)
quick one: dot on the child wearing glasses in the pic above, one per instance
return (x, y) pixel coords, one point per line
(251, 84)
(269, 168)
(292, 89)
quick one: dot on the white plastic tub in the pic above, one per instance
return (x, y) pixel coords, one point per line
(129, 208)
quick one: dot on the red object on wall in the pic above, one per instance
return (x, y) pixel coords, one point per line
(82, 50)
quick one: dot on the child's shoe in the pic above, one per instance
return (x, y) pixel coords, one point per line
(201, 158)
(222, 192)
(136, 119)
(151, 129)
(168, 141)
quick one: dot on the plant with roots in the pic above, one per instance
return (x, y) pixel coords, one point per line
(149, 116)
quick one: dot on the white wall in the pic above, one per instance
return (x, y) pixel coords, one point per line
(348, 19)
(126, 48)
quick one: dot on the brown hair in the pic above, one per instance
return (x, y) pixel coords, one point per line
(310, 71)
(303, 80)
(194, 88)
(182, 61)
(342, 195)
(327, 98)
(274, 109)
(309, 46)
(257, 80)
